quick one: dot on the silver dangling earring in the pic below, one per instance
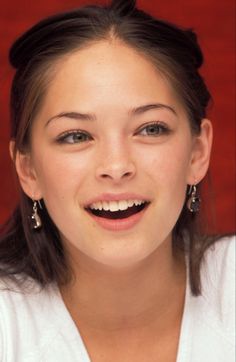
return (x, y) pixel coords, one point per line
(35, 218)
(194, 200)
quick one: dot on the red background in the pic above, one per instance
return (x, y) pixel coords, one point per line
(214, 23)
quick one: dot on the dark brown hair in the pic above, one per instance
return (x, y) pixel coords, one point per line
(175, 51)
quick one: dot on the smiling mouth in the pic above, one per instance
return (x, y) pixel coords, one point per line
(119, 214)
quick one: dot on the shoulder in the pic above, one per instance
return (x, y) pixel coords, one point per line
(35, 326)
(224, 247)
(24, 315)
(218, 267)
(208, 328)
(218, 289)
(22, 299)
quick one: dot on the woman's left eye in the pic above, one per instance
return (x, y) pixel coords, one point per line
(154, 129)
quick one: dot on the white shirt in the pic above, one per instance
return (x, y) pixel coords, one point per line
(37, 327)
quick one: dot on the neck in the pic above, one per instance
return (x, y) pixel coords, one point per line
(106, 298)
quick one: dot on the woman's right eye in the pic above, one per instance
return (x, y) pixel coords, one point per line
(72, 137)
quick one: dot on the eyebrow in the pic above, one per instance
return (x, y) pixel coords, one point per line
(91, 117)
(147, 107)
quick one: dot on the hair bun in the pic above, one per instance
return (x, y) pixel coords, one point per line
(196, 50)
(123, 7)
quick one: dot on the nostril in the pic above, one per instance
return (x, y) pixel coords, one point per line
(115, 171)
(127, 174)
(114, 175)
(105, 176)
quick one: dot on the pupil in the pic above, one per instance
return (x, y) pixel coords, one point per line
(153, 129)
(78, 137)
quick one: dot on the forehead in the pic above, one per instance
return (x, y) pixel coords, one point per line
(107, 73)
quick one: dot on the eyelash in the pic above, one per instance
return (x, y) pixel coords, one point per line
(62, 138)
(160, 127)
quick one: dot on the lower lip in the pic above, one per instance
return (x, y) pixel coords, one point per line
(119, 224)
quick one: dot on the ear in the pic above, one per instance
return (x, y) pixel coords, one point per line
(201, 151)
(26, 173)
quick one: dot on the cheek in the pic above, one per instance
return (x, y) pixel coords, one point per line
(166, 164)
(60, 175)
(167, 169)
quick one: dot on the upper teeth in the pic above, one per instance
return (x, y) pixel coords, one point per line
(115, 205)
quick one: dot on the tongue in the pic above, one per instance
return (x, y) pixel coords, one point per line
(118, 214)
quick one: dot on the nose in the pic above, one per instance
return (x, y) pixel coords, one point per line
(115, 165)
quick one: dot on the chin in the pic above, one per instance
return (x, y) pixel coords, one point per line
(124, 259)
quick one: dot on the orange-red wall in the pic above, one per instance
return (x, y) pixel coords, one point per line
(214, 23)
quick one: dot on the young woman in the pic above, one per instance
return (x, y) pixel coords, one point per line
(102, 261)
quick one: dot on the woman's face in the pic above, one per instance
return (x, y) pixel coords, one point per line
(111, 134)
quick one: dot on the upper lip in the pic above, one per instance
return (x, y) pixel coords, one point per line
(116, 197)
